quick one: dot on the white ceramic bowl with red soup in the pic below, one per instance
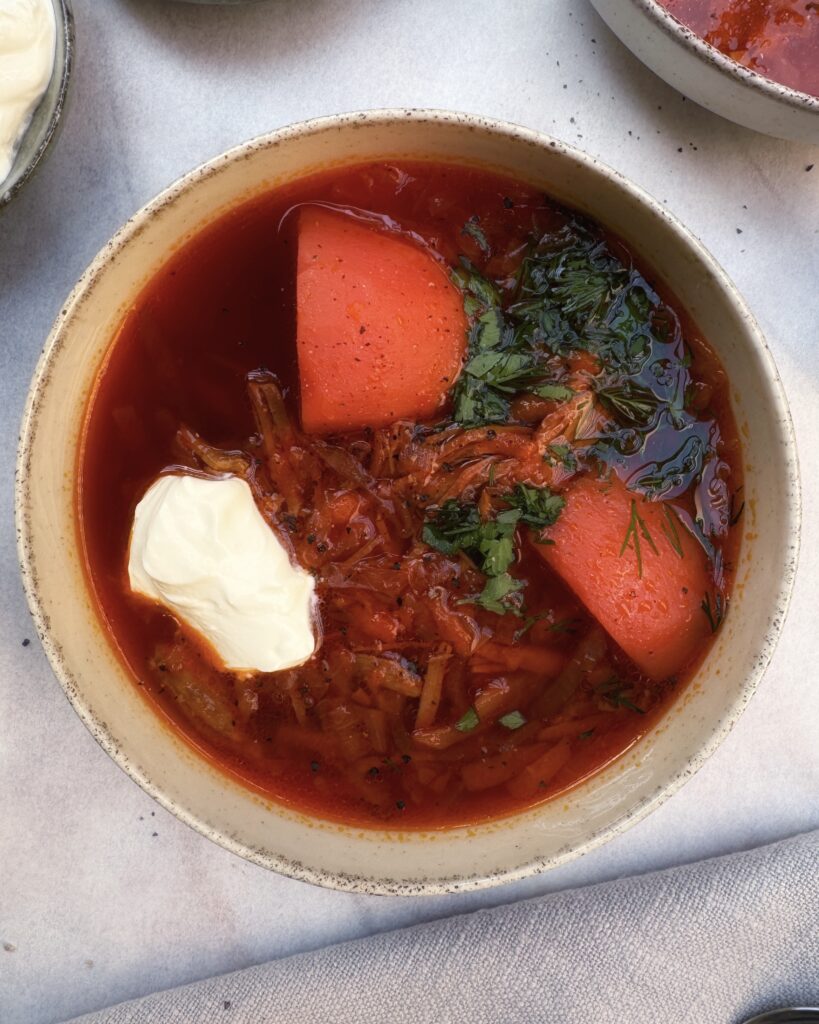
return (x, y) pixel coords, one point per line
(407, 501)
(755, 62)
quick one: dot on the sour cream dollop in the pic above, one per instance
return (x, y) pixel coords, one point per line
(201, 548)
(28, 34)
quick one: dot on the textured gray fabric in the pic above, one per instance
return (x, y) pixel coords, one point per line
(710, 942)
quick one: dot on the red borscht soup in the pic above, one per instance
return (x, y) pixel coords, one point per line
(497, 450)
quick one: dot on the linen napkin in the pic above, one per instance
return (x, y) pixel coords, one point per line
(715, 941)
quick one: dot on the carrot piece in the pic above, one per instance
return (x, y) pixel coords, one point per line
(494, 698)
(375, 723)
(381, 330)
(439, 737)
(458, 629)
(587, 655)
(541, 772)
(636, 568)
(433, 686)
(390, 674)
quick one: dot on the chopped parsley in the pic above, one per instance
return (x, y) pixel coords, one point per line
(514, 720)
(468, 721)
(457, 526)
(538, 506)
(561, 455)
(503, 360)
(500, 593)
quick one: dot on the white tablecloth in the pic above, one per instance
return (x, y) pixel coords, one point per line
(103, 896)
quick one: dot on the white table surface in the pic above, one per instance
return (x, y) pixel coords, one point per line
(104, 896)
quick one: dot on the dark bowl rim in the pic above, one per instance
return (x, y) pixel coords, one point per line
(53, 122)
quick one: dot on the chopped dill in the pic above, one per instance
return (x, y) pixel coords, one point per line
(715, 612)
(669, 528)
(636, 529)
(617, 695)
(733, 517)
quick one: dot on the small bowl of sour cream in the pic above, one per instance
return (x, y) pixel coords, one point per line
(36, 54)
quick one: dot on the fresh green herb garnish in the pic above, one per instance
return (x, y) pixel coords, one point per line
(564, 626)
(457, 526)
(637, 528)
(573, 293)
(616, 694)
(473, 229)
(504, 358)
(733, 517)
(715, 612)
(499, 594)
(479, 293)
(585, 734)
(514, 720)
(635, 405)
(669, 528)
(468, 721)
(529, 621)
(538, 506)
(561, 455)
(553, 392)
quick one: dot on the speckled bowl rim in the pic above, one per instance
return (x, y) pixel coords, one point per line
(689, 39)
(23, 499)
(8, 195)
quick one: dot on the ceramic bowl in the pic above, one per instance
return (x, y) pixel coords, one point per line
(87, 665)
(708, 77)
(45, 121)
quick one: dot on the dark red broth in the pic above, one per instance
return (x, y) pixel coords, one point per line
(777, 38)
(324, 739)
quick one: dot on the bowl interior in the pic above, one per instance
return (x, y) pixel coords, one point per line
(378, 861)
(46, 118)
